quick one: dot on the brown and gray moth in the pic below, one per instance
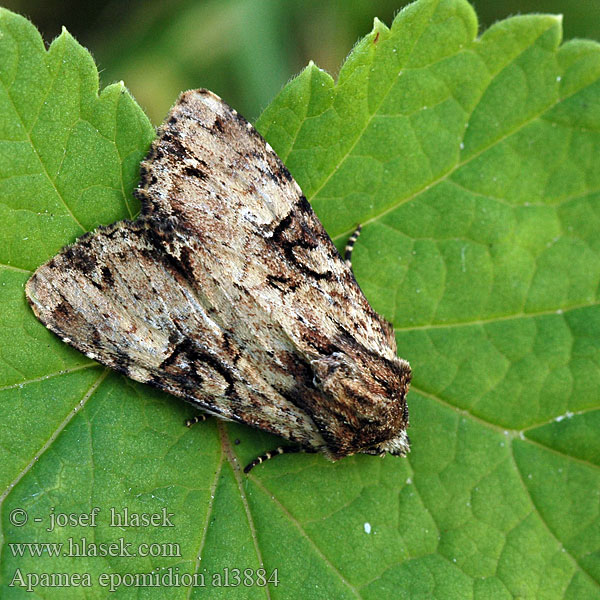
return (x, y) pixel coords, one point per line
(228, 292)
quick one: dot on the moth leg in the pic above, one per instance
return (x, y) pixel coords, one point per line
(197, 419)
(271, 454)
(350, 246)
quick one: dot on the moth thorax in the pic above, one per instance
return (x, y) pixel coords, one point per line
(366, 398)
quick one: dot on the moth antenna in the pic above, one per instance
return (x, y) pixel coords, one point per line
(197, 419)
(350, 246)
(271, 454)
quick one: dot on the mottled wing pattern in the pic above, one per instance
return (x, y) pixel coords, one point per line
(237, 224)
(228, 292)
(212, 179)
(117, 297)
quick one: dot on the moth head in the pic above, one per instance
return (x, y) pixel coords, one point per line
(365, 410)
(397, 446)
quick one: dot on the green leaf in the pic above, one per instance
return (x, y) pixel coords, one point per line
(472, 164)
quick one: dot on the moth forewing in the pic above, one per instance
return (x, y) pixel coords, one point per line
(228, 292)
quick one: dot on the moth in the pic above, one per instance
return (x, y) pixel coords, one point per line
(228, 292)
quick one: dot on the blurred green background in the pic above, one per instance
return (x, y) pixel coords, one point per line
(244, 50)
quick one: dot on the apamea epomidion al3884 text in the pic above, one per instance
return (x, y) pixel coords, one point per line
(228, 292)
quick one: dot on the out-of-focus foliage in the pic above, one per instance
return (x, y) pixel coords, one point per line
(245, 50)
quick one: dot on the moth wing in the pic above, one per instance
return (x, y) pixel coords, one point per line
(230, 215)
(210, 178)
(118, 297)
